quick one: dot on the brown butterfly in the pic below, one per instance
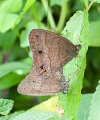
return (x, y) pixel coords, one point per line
(35, 85)
(50, 53)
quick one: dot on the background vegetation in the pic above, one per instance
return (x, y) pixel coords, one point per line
(77, 20)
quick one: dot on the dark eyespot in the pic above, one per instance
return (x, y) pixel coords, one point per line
(40, 51)
(37, 36)
(64, 83)
(41, 67)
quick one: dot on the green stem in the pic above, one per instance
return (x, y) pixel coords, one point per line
(62, 16)
(36, 17)
(91, 3)
(48, 12)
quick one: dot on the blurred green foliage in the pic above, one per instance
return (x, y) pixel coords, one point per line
(17, 18)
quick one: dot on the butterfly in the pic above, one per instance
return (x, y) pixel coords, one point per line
(50, 52)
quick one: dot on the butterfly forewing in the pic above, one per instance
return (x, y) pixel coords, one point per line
(50, 51)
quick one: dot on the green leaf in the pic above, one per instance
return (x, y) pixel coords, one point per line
(63, 118)
(28, 4)
(40, 13)
(5, 19)
(95, 105)
(28, 61)
(94, 39)
(7, 40)
(8, 14)
(5, 106)
(11, 116)
(34, 115)
(73, 28)
(56, 2)
(9, 67)
(10, 6)
(77, 30)
(98, 1)
(10, 80)
(86, 3)
(49, 105)
(84, 107)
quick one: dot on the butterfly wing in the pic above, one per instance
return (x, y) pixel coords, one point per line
(35, 85)
(50, 51)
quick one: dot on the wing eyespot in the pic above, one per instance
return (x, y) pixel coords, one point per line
(37, 36)
(41, 67)
(40, 51)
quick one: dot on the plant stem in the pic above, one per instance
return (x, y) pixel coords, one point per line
(48, 12)
(87, 9)
(62, 16)
(35, 16)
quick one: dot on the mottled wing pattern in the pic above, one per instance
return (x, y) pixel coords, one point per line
(35, 85)
(50, 51)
